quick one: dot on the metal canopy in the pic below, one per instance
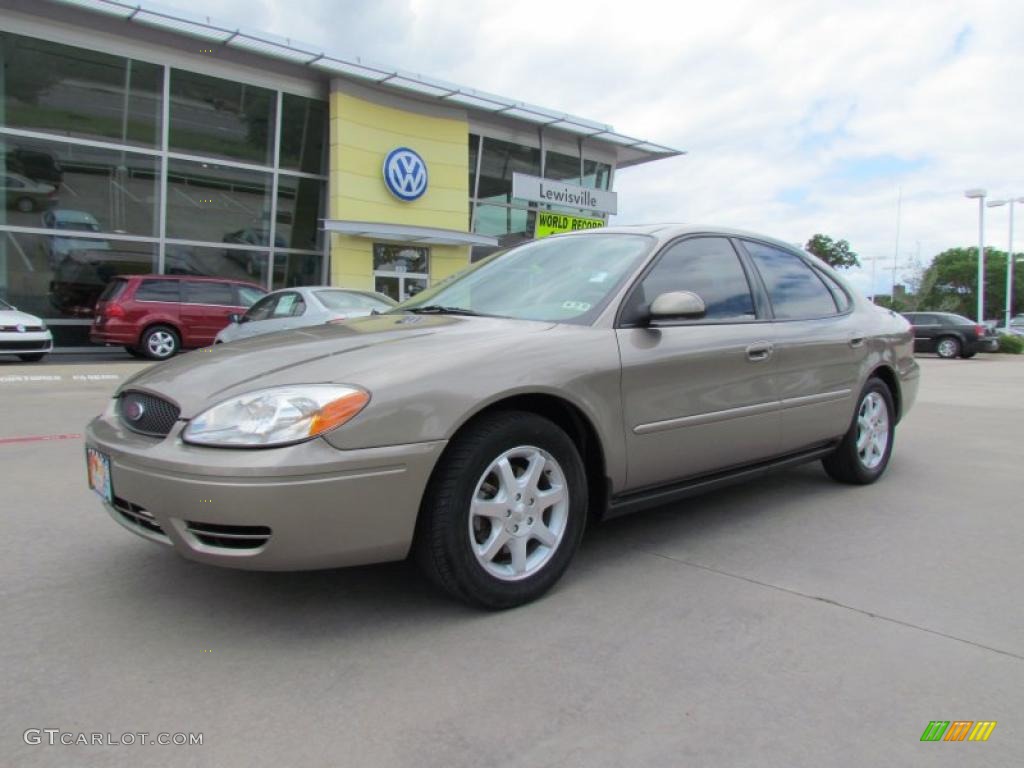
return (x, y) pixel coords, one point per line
(282, 48)
(404, 233)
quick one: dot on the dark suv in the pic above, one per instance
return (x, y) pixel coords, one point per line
(156, 315)
(950, 335)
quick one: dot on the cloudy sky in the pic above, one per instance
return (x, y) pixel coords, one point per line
(798, 117)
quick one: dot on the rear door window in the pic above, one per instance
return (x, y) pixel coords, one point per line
(795, 290)
(158, 290)
(219, 294)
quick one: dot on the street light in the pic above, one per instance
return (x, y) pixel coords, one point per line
(1009, 255)
(979, 195)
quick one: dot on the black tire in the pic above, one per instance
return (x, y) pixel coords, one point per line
(948, 347)
(135, 352)
(160, 342)
(967, 355)
(32, 358)
(845, 464)
(444, 541)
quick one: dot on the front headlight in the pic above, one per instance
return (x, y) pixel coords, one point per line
(276, 416)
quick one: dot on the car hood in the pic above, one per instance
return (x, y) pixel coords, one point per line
(14, 317)
(367, 352)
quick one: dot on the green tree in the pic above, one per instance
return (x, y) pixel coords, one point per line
(950, 283)
(835, 253)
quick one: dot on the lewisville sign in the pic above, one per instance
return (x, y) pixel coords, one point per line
(538, 190)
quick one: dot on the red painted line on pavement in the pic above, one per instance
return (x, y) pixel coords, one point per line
(37, 438)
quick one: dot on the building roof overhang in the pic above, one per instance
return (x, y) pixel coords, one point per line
(404, 233)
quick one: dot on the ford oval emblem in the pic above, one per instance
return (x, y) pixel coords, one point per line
(405, 174)
(134, 410)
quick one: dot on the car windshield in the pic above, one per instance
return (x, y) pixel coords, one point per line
(562, 279)
(348, 300)
(5, 305)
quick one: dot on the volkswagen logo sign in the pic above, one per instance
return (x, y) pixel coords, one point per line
(19, 328)
(134, 410)
(405, 174)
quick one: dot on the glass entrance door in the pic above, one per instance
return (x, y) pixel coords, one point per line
(400, 271)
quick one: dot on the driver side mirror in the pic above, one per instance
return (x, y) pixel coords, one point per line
(677, 305)
(234, 318)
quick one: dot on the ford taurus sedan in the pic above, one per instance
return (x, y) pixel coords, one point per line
(481, 424)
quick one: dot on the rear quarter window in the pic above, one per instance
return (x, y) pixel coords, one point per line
(114, 289)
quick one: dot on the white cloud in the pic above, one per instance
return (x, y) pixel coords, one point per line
(779, 104)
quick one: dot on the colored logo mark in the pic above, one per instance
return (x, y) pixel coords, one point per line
(958, 730)
(405, 174)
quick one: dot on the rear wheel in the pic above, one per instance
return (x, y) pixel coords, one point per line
(504, 511)
(948, 347)
(863, 455)
(32, 358)
(160, 342)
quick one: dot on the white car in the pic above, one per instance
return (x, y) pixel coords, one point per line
(23, 334)
(1015, 328)
(289, 308)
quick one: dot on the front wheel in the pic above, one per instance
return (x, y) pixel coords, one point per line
(948, 347)
(863, 455)
(504, 511)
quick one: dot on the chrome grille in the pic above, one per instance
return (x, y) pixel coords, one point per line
(137, 516)
(24, 329)
(229, 536)
(147, 414)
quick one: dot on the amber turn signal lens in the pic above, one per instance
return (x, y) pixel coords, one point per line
(337, 412)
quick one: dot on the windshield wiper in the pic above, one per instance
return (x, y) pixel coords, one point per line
(438, 309)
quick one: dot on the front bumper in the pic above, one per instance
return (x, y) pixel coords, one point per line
(297, 507)
(29, 343)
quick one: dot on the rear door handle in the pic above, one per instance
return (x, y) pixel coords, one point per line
(759, 351)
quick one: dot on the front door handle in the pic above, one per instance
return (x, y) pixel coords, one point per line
(857, 341)
(759, 351)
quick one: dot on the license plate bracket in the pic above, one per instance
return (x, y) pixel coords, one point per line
(98, 465)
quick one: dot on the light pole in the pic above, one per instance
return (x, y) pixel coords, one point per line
(979, 195)
(1009, 255)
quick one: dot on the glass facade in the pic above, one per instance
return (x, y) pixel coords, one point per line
(91, 190)
(494, 212)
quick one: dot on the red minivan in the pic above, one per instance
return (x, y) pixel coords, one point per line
(154, 316)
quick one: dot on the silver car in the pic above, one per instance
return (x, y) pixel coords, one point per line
(483, 423)
(300, 307)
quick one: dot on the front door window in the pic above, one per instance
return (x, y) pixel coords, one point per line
(400, 271)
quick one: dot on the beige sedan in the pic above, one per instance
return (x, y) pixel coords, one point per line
(483, 423)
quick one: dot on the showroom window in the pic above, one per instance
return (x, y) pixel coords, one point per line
(400, 271)
(83, 198)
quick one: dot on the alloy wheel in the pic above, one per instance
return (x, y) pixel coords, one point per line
(161, 343)
(519, 513)
(872, 430)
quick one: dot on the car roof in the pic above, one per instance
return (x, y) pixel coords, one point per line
(192, 277)
(669, 231)
(68, 214)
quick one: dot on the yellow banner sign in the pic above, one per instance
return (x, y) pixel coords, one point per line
(550, 223)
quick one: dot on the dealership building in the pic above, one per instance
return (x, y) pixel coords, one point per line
(137, 139)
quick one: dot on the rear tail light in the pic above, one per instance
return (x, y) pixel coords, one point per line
(113, 310)
(981, 330)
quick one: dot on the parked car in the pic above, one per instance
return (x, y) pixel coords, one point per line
(35, 164)
(482, 423)
(301, 307)
(67, 220)
(1015, 328)
(23, 334)
(950, 335)
(25, 194)
(155, 316)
